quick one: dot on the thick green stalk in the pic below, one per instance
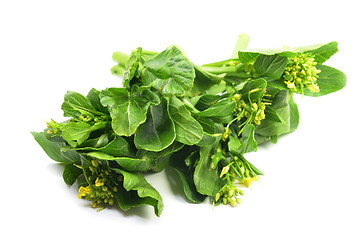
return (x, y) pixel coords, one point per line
(241, 44)
(121, 58)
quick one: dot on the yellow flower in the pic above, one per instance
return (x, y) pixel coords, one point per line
(83, 191)
(224, 171)
(248, 180)
(99, 182)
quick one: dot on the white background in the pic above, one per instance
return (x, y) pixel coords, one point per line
(312, 183)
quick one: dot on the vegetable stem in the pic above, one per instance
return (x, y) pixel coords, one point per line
(121, 58)
(241, 44)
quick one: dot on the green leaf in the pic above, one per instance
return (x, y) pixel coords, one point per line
(127, 110)
(118, 147)
(321, 52)
(204, 81)
(188, 130)
(248, 142)
(75, 104)
(221, 109)
(96, 143)
(207, 124)
(255, 88)
(76, 132)
(94, 99)
(247, 57)
(270, 66)
(206, 100)
(294, 114)
(253, 168)
(138, 192)
(272, 114)
(210, 138)
(158, 132)
(234, 144)
(169, 72)
(53, 149)
(330, 80)
(284, 108)
(71, 173)
(183, 162)
(207, 180)
(127, 163)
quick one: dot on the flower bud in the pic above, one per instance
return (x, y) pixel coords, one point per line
(95, 163)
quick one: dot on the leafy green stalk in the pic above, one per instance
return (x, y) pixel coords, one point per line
(201, 121)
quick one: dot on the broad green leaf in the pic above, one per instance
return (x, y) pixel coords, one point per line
(75, 104)
(321, 51)
(281, 106)
(118, 147)
(169, 72)
(96, 143)
(129, 199)
(234, 144)
(188, 130)
(255, 88)
(248, 142)
(71, 173)
(207, 180)
(208, 125)
(53, 149)
(210, 138)
(94, 99)
(270, 66)
(127, 110)
(146, 194)
(221, 109)
(294, 114)
(204, 81)
(277, 84)
(182, 162)
(127, 163)
(158, 132)
(330, 80)
(247, 57)
(206, 100)
(76, 132)
(272, 114)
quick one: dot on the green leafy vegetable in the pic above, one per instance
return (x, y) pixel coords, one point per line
(127, 109)
(199, 121)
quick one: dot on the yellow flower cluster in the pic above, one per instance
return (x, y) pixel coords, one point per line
(101, 189)
(253, 111)
(229, 195)
(236, 170)
(302, 73)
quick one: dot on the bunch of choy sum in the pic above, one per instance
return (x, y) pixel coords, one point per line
(198, 120)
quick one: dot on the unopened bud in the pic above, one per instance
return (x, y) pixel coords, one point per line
(217, 197)
(224, 171)
(95, 163)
